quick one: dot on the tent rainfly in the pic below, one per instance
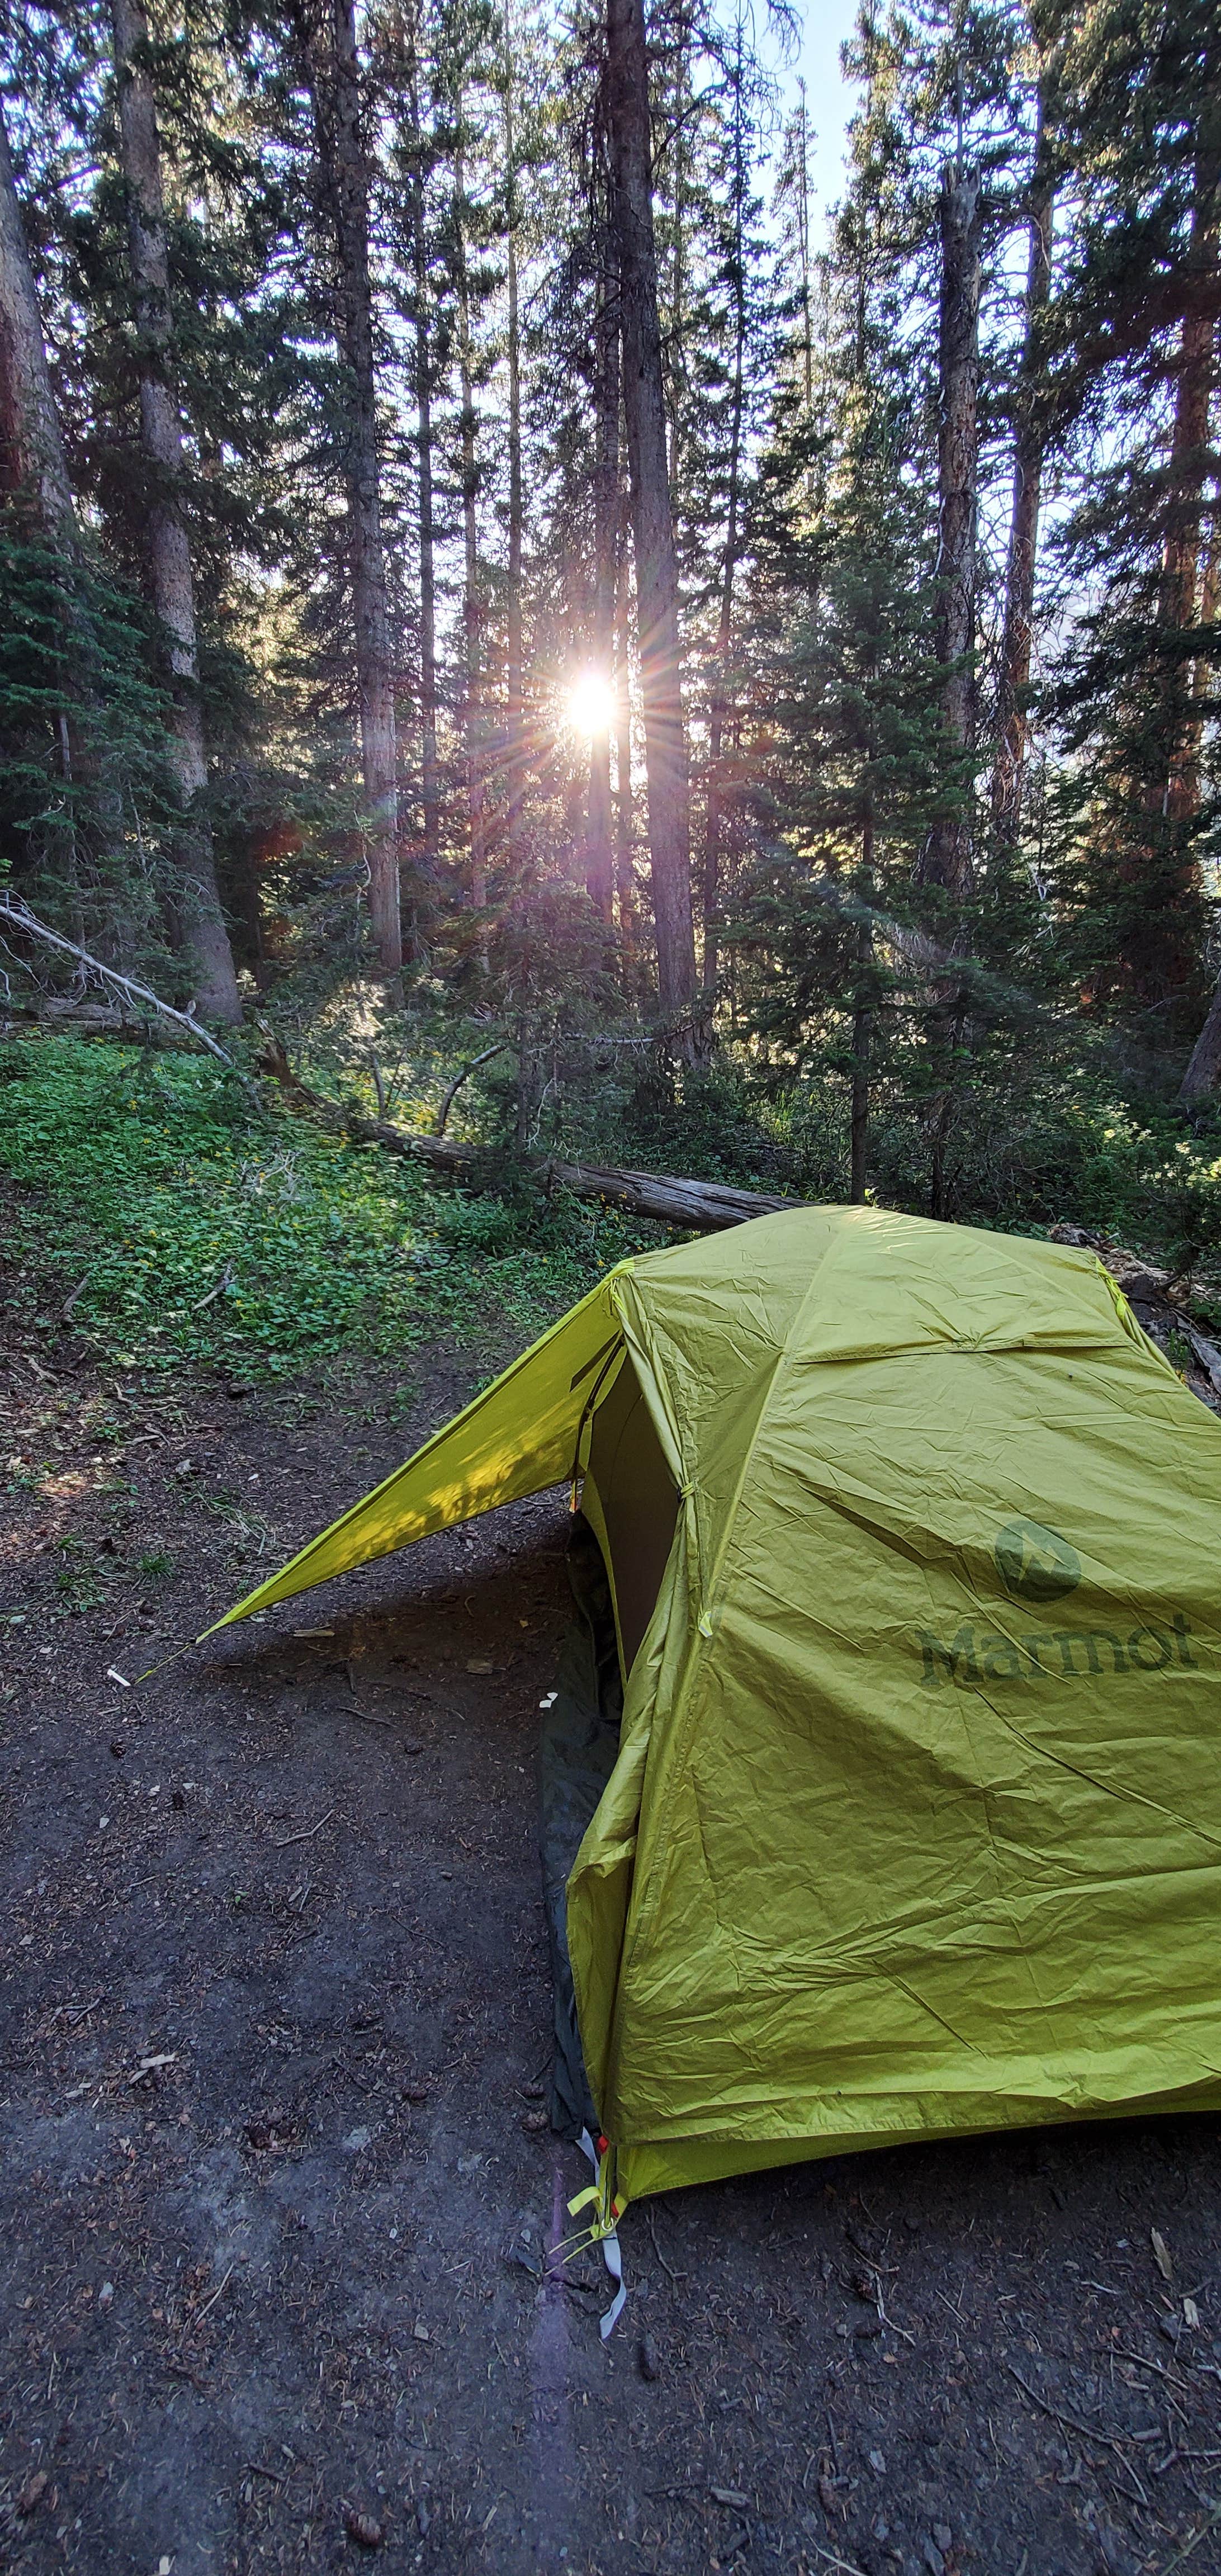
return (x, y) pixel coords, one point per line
(915, 1826)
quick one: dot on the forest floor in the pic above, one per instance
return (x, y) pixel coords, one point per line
(277, 2181)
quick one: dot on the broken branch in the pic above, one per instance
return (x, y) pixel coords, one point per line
(14, 911)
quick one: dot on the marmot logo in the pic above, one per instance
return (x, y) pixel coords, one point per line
(1034, 1563)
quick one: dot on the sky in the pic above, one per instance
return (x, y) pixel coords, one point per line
(829, 98)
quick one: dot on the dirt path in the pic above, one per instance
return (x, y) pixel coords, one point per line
(276, 2186)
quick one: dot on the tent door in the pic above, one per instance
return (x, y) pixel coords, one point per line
(632, 1505)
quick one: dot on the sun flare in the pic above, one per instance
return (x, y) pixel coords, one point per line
(591, 703)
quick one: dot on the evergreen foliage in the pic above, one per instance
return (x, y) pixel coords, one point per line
(852, 989)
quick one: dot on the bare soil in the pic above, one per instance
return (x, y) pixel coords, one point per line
(277, 2182)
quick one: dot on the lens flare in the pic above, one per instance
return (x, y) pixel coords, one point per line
(591, 703)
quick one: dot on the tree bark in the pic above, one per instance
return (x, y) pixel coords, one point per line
(1189, 458)
(472, 601)
(802, 189)
(515, 710)
(674, 367)
(625, 832)
(864, 1003)
(1012, 720)
(429, 791)
(1205, 660)
(334, 76)
(720, 685)
(1203, 1076)
(1162, 872)
(31, 442)
(947, 858)
(862, 1031)
(1177, 792)
(599, 851)
(652, 521)
(169, 551)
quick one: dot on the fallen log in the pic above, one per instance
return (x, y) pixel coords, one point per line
(702, 1207)
(707, 1207)
(18, 915)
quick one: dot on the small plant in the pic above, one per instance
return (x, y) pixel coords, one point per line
(266, 1250)
(78, 1585)
(250, 1532)
(23, 1479)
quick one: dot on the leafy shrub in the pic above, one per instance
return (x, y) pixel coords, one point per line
(199, 1233)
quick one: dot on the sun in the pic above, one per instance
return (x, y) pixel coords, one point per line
(591, 703)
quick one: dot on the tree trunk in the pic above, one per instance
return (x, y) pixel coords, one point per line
(248, 907)
(1012, 722)
(429, 792)
(862, 1030)
(674, 370)
(1160, 869)
(1177, 791)
(720, 686)
(803, 249)
(625, 833)
(334, 75)
(169, 550)
(599, 852)
(472, 603)
(947, 858)
(1205, 660)
(31, 442)
(801, 182)
(1203, 1076)
(864, 1003)
(515, 711)
(652, 522)
(33, 467)
(1159, 952)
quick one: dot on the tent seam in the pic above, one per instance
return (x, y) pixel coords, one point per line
(700, 1640)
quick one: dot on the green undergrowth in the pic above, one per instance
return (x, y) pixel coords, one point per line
(176, 1226)
(172, 1225)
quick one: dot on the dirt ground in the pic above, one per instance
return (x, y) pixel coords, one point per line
(277, 2180)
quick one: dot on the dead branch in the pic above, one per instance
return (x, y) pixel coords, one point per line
(703, 1207)
(20, 917)
(456, 1085)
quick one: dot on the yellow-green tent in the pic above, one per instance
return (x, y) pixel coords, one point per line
(915, 1826)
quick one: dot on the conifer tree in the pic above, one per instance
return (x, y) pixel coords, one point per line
(733, 407)
(1029, 442)
(169, 550)
(326, 33)
(655, 562)
(1134, 332)
(407, 76)
(32, 458)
